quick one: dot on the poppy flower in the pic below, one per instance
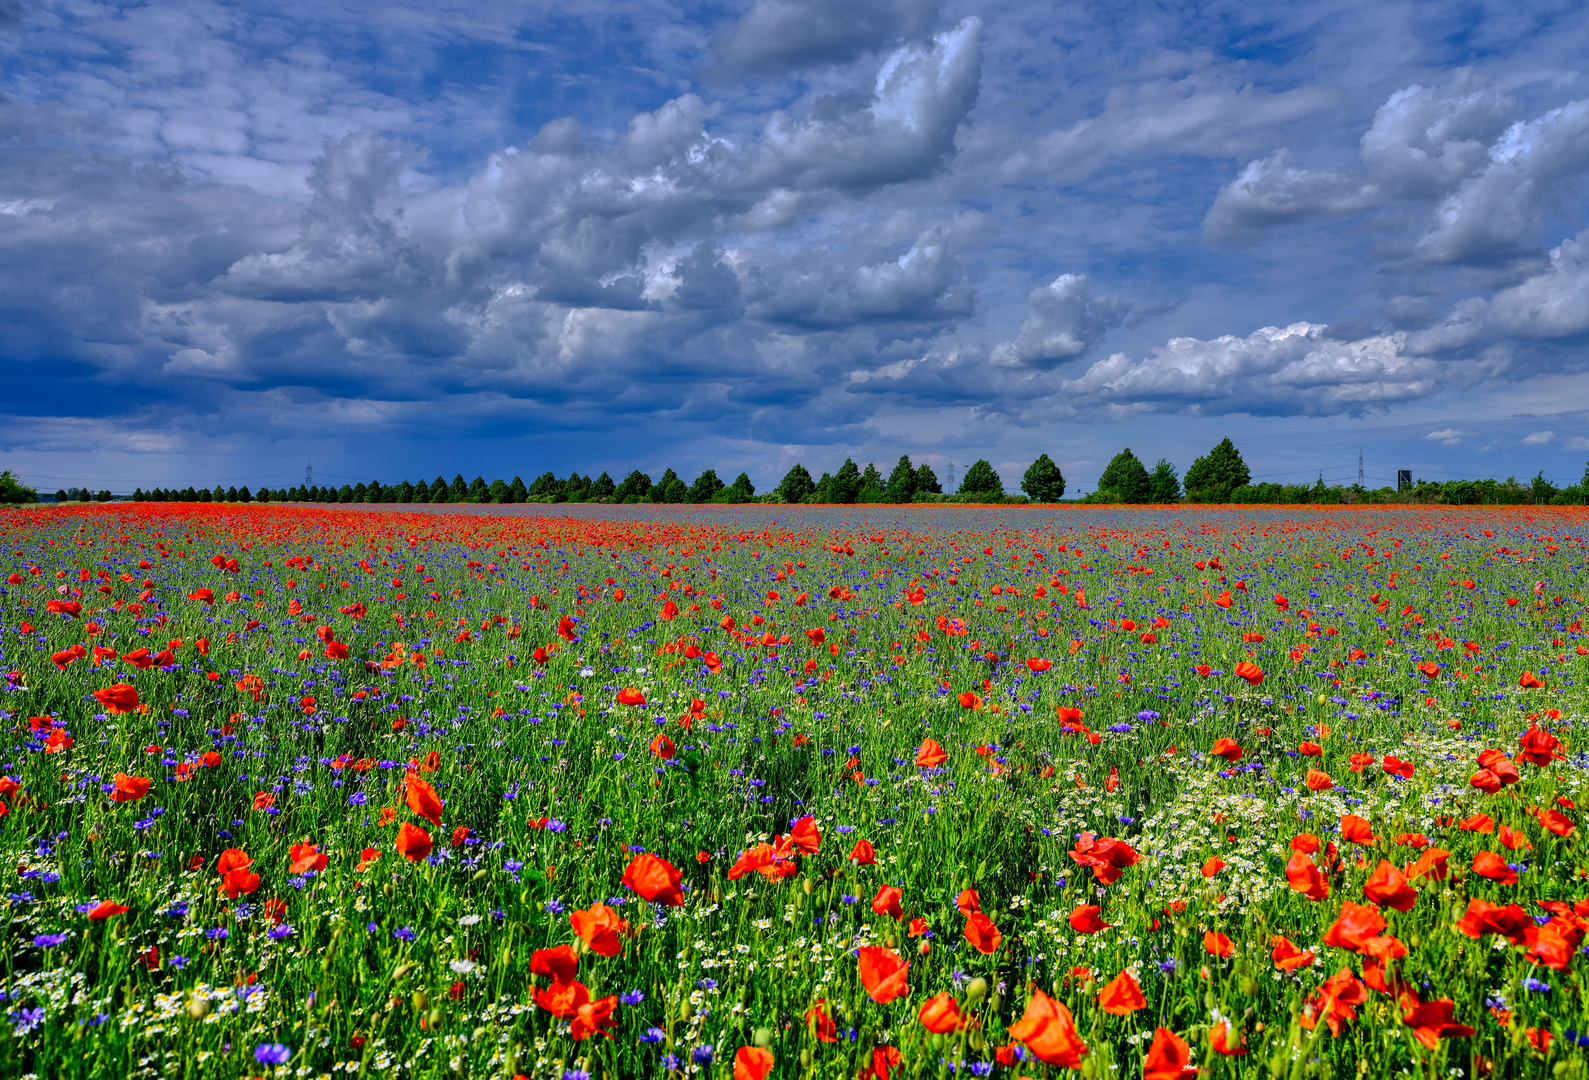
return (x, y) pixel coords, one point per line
(1251, 672)
(560, 963)
(422, 798)
(1429, 669)
(306, 857)
(1318, 781)
(1049, 1032)
(630, 696)
(1086, 919)
(1169, 1058)
(968, 700)
(1538, 747)
(1530, 681)
(1553, 945)
(1310, 749)
(883, 973)
(940, 1014)
(1286, 956)
(917, 927)
(1432, 863)
(105, 909)
(563, 999)
(1107, 858)
(654, 880)
(120, 698)
(752, 1063)
(594, 1018)
(1211, 866)
(240, 882)
(982, 934)
(862, 854)
(931, 755)
(1511, 921)
(413, 843)
(1487, 864)
(1220, 1038)
(1355, 924)
(1122, 995)
(1431, 1021)
(1038, 664)
(129, 788)
(884, 1058)
(1357, 830)
(600, 927)
(1388, 887)
(1227, 749)
(820, 1023)
(1486, 781)
(662, 747)
(1395, 766)
(1217, 944)
(1335, 1002)
(1557, 822)
(804, 836)
(887, 902)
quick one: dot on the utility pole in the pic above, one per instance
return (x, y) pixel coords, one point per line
(949, 478)
(1359, 466)
(308, 474)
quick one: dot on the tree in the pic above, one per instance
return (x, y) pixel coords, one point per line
(706, 485)
(1542, 489)
(1164, 485)
(576, 487)
(243, 494)
(1125, 478)
(517, 492)
(1218, 473)
(12, 491)
(458, 490)
(846, 483)
(360, 493)
(981, 482)
(871, 486)
(477, 489)
(743, 486)
(438, 491)
(669, 489)
(901, 482)
(796, 484)
(498, 491)
(1043, 482)
(602, 488)
(927, 480)
(824, 491)
(635, 487)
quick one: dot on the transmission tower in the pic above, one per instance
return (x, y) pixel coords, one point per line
(1359, 466)
(949, 477)
(308, 474)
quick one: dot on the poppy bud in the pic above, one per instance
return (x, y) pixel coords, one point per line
(421, 1001)
(198, 1007)
(762, 1037)
(434, 1018)
(976, 990)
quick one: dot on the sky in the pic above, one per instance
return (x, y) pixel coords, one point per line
(395, 240)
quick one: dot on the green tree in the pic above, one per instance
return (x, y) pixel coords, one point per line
(927, 480)
(13, 492)
(438, 491)
(243, 494)
(576, 487)
(824, 490)
(1043, 482)
(846, 483)
(1543, 490)
(872, 485)
(658, 492)
(981, 482)
(1125, 478)
(360, 492)
(458, 490)
(477, 489)
(796, 485)
(545, 486)
(670, 489)
(1164, 485)
(517, 492)
(635, 487)
(602, 488)
(901, 487)
(498, 491)
(705, 487)
(1218, 473)
(743, 486)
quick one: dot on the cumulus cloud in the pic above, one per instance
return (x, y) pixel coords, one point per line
(1449, 436)
(1539, 438)
(1064, 320)
(1552, 306)
(1273, 191)
(778, 36)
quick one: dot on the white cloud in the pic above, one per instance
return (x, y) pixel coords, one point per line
(1449, 436)
(777, 36)
(1549, 306)
(1273, 191)
(1539, 438)
(1064, 320)
(1577, 442)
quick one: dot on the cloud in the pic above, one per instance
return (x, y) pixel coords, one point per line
(1064, 320)
(1539, 438)
(778, 36)
(1577, 442)
(1448, 436)
(1552, 306)
(1274, 191)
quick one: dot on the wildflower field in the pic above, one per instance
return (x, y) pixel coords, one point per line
(793, 792)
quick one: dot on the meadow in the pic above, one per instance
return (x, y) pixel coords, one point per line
(754, 792)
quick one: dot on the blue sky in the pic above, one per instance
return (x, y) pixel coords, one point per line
(401, 240)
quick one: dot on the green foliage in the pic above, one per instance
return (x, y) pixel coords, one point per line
(1214, 476)
(871, 490)
(1125, 479)
(796, 484)
(901, 487)
(743, 486)
(1164, 485)
(845, 484)
(706, 486)
(927, 481)
(12, 491)
(982, 483)
(1043, 481)
(636, 487)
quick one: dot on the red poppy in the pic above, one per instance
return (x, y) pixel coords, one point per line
(306, 857)
(887, 902)
(662, 747)
(422, 798)
(1169, 1058)
(631, 696)
(1335, 1002)
(1049, 1032)
(1318, 781)
(600, 927)
(120, 698)
(752, 1063)
(129, 788)
(1108, 857)
(1388, 887)
(1037, 664)
(884, 1058)
(940, 1014)
(1355, 924)
(931, 754)
(1086, 919)
(1220, 1036)
(1122, 995)
(820, 1023)
(883, 973)
(1538, 747)
(968, 700)
(1227, 749)
(413, 843)
(1530, 681)
(1357, 830)
(982, 934)
(1395, 766)
(1431, 1021)
(1212, 866)
(862, 854)
(105, 909)
(1511, 921)
(1250, 672)
(1286, 956)
(1306, 878)
(240, 882)
(1217, 944)
(559, 962)
(563, 999)
(1487, 864)
(655, 880)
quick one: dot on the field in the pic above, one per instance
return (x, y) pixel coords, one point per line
(304, 792)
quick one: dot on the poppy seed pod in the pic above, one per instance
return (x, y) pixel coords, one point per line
(976, 990)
